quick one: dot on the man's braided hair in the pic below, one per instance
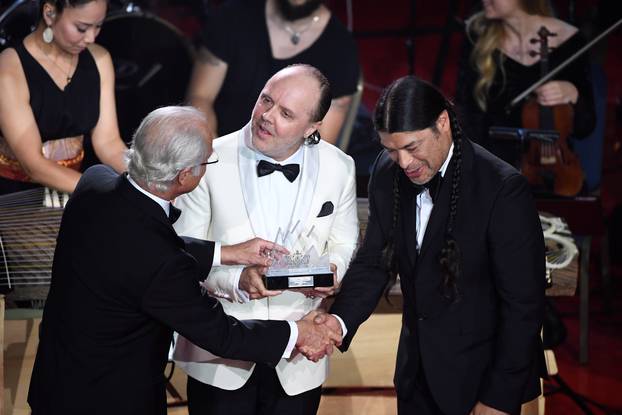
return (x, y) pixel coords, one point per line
(411, 104)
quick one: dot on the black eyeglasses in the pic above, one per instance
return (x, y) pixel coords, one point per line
(212, 159)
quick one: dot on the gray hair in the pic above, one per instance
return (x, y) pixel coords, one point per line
(168, 140)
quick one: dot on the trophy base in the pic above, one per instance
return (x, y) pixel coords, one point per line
(287, 282)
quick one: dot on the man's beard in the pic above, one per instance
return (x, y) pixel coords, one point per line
(294, 12)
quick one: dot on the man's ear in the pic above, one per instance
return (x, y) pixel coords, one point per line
(313, 128)
(442, 122)
(184, 175)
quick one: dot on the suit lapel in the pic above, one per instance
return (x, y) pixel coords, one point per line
(306, 190)
(248, 182)
(440, 212)
(145, 204)
(408, 215)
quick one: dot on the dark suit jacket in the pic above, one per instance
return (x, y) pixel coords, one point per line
(122, 280)
(487, 345)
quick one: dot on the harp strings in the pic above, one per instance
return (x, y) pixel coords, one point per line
(29, 223)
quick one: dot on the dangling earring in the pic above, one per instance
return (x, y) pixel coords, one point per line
(314, 138)
(48, 35)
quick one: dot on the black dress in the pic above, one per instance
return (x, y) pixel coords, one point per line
(58, 113)
(238, 35)
(515, 78)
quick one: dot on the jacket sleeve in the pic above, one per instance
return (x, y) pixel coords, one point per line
(174, 298)
(344, 231)
(202, 251)
(366, 277)
(516, 249)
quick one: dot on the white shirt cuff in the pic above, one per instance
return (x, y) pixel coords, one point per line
(240, 295)
(293, 338)
(216, 260)
(344, 330)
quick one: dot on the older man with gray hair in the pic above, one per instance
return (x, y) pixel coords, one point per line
(122, 280)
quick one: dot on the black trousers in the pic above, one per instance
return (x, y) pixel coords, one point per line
(261, 395)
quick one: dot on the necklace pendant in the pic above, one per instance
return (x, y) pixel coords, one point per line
(68, 79)
(295, 38)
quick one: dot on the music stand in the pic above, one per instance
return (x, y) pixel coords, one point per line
(511, 144)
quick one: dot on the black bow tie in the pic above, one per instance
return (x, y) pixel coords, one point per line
(433, 186)
(173, 214)
(290, 171)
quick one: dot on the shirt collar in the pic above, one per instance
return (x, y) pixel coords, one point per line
(446, 163)
(165, 204)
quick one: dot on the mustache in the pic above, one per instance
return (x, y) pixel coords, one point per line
(264, 125)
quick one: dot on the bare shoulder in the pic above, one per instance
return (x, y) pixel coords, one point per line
(9, 63)
(11, 71)
(206, 57)
(563, 30)
(100, 54)
(103, 60)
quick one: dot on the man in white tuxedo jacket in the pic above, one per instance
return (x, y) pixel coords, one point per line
(274, 176)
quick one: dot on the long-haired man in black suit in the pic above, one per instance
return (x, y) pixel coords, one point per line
(461, 229)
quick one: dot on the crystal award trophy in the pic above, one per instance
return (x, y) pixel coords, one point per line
(302, 268)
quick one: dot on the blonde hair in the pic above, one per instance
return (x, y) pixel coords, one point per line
(489, 34)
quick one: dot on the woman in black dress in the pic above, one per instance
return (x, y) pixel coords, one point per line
(245, 42)
(57, 91)
(497, 66)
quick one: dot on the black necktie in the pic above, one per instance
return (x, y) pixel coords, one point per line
(290, 171)
(433, 185)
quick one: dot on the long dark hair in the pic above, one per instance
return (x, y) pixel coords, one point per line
(487, 36)
(61, 4)
(411, 104)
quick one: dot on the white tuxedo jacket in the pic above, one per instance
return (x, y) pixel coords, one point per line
(224, 207)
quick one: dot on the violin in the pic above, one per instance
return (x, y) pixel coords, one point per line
(550, 165)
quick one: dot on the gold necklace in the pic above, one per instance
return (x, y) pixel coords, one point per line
(68, 74)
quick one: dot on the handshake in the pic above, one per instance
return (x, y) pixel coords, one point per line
(318, 332)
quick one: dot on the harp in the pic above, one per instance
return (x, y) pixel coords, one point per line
(560, 248)
(29, 223)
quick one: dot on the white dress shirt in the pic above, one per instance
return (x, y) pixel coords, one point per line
(425, 205)
(278, 199)
(277, 206)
